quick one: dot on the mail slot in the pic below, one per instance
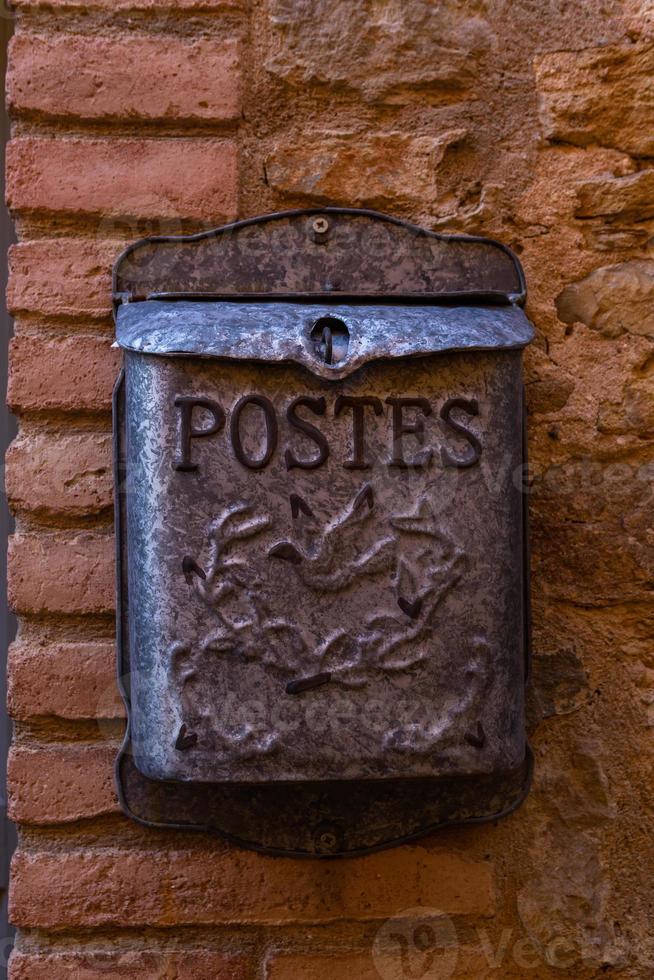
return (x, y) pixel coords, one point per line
(323, 586)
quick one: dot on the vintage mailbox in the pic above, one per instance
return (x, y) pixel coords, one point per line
(323, 582)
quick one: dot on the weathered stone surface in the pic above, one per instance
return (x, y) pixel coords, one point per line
(548, 394)
(630, 411)
(639, 406)
(580, 793)
(374, 171)
(563, 906)
(551, 197)
(559, 684)
(626, 237)
(612, 300)
(547, 386)
(590, 542)
(590, 565)
(639, 19)
(477, 211)
(617, 197)
(607, 366)
(602, 95)
(589, 528)
(587, 490)
(185, 5)
(393, 53)
(643, 680)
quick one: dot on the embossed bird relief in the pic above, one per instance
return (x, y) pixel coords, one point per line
(415, 562)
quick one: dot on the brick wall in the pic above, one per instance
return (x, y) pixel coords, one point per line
(531, 122)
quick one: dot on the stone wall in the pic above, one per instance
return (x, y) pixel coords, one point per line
(531, 121)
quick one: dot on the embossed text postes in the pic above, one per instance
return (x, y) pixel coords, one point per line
(456, 440)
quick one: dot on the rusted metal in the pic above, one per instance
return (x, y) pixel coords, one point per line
(322, 586)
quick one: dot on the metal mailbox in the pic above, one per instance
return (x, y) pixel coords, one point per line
(323, 583)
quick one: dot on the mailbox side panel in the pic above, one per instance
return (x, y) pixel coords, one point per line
(357, 619)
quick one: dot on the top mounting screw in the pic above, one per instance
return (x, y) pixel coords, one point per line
(320, 226)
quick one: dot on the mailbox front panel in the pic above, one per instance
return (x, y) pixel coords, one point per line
(329, 584)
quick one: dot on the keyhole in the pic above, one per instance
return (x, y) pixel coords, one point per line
(331, 339)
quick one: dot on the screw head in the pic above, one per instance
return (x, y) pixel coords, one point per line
(320, 226)
(327, 839)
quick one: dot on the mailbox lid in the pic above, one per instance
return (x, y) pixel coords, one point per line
(282, 331)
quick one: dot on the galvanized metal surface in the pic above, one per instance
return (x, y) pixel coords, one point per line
(321, 578)
(282, 332)
(359, 253)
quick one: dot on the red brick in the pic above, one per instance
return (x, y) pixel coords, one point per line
(67, 680)
(61, 783)
(191, 964)
(64, 277)
(103, 78)
(144, 178)
(68, 374)
(462, 964)
(108, 886)
(68, 474)
(57, 573)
